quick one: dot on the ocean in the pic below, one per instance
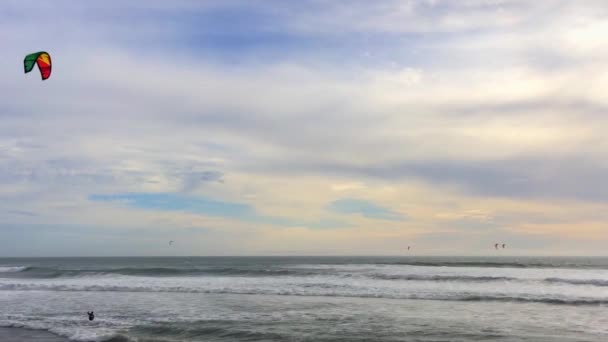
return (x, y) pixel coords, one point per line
(308, 298)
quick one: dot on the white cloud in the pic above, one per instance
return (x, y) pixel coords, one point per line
(292, 134)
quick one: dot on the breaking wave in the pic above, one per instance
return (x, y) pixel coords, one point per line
(47, 272)
(320, 290)
(414, 277)
(12, 269)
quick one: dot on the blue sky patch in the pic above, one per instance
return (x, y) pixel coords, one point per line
(173, 202)
(209, 207)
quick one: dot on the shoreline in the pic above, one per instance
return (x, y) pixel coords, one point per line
(27, 335)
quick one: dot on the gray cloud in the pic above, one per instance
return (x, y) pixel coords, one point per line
(22, 213)
(92, 240)
(539, 177)
(392, 91)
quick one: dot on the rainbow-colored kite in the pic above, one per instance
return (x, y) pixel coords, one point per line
(43, 59)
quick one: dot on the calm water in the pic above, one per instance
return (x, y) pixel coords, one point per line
(309, 299)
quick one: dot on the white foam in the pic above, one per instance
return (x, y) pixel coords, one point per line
(528, 288)
(70, 331)
(12, 269)
(124, 301)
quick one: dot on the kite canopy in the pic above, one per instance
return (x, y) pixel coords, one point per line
(42, 59)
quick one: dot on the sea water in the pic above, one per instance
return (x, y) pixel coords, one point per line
(308, 298)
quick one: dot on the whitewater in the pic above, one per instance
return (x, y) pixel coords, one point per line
(308, 298)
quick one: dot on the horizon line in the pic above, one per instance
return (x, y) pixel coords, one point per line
(304, 256)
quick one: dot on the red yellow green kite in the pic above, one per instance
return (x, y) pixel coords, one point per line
(43, 59)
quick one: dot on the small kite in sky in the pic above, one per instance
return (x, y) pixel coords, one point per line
(42, 59)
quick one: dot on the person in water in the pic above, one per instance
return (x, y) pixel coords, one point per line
(91, 315)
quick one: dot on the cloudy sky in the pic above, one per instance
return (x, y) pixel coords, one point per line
(304, 127)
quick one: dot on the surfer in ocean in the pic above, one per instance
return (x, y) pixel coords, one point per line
(91, 315)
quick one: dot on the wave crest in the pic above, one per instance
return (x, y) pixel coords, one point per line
(414, 277)
(44, 272)
(594, 282)
(12, 269)
(311, 291)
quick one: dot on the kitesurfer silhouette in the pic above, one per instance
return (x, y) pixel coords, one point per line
(91, 315)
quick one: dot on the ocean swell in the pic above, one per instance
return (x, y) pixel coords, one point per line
(48, 272)
(419, 277)
(320, 290)
(593, 282)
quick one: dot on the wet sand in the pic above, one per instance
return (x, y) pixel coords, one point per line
(27, 335)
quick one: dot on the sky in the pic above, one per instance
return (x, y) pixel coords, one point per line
(304, 128)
